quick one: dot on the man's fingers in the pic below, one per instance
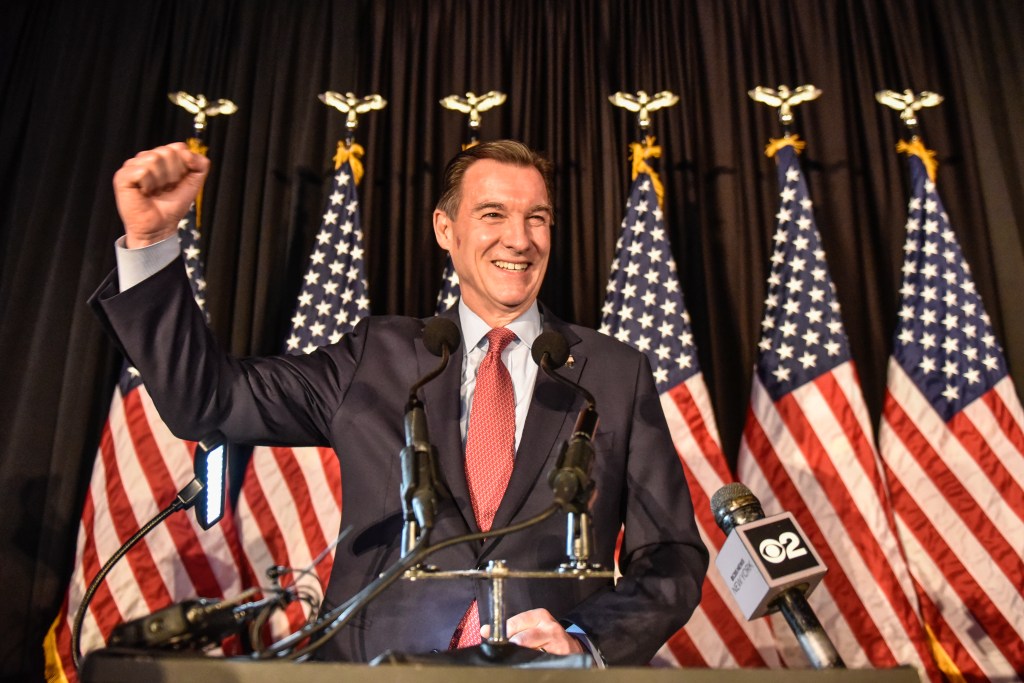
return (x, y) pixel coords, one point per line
(154, 189)
(521, 622)
(539, 630)
(160, 170)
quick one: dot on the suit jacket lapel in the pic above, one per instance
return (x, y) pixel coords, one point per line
(442, 404)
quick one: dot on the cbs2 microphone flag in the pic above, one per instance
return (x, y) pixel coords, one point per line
(952, 442)
(807, 446)
(644, 308)
(290, 507)
(139, 469)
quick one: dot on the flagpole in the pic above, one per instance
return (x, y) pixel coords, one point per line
(203, 565)
(815, 642)
(202, 109)
(294, 529)
(472, 105)
(644, 307)
(966, 600)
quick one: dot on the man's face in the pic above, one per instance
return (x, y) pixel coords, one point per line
(500, 240)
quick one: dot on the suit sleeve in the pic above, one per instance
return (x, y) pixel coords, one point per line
(197, 388)
(662, 558)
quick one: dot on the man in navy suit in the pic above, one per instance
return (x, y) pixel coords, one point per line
(494, 218)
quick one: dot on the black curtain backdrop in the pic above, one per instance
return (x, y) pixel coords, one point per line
(84, 86)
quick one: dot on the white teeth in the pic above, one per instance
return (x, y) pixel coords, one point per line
(505, 265)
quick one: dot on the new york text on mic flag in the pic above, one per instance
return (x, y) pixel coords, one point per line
(290, 507)
(807, 446)
(952, 442)
(139, 468)
(644, 307)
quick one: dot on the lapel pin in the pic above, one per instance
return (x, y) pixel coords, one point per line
(570, 361)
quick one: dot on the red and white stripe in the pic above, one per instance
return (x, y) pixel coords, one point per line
(139, 468)
(957, 488)
(289, 512)
(717, 635)
(811, 453)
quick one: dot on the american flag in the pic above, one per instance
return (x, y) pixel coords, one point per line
(952, 442)
(644, 308)
(139, 469)
(807, 448)
(290, 507)
(450, 292)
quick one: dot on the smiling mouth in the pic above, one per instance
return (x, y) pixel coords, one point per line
(506, 265)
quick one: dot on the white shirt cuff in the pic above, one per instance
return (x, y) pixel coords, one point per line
(135, 265)
(588, 644)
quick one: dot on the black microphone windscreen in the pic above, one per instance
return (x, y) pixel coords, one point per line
(441, 332)
(727, 493)
(553, 344)
(734, 505)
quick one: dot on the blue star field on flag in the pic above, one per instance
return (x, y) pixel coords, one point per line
(334, 295)
(802, 334)
(643, 303)
(944, 340)
(450, 291)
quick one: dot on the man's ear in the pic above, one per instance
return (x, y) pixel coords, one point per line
(442, 230)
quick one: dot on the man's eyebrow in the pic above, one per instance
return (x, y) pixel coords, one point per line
(500, 206)
(489, 205)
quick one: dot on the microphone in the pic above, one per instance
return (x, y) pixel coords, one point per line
(770, 566)
(438, 334)
(570, 480)
(419, 458)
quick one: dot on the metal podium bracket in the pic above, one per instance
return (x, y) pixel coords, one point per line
(497, 572)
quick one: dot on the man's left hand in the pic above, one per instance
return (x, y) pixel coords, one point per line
(539, 630)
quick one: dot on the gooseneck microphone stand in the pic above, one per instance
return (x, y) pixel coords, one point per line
(185, 499)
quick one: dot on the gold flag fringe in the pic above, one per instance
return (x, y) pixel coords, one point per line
(945, 663)
(917, 149)
(775, 144)
(196, 146)
(639, 153)
(351, 154)
(54, 668)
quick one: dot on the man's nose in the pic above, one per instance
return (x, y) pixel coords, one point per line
(516, 234)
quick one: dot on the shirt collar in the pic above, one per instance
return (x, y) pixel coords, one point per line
(527, 326)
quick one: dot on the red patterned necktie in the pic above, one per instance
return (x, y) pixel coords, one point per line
(490, 453)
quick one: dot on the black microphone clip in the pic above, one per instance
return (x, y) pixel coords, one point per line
(193, 624)
(570, 481)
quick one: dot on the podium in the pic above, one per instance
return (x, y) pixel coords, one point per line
(104, 666)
